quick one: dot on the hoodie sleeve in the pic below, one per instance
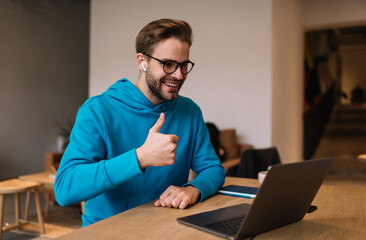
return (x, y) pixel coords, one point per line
(84, 173)
(210, 172)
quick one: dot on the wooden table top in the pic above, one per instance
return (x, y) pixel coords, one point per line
(16, 186)
(341, 214)
(47, 177)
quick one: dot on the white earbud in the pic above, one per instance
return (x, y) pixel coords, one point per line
(143, 66)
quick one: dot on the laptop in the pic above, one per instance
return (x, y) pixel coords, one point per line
(283, 198)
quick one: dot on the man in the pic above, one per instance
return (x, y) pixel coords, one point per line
(136, 143)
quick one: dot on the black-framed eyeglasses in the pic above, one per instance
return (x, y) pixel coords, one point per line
(170, 66)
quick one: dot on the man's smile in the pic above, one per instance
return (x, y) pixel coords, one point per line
(172, 84)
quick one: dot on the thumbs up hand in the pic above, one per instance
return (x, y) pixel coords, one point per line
(159, 149)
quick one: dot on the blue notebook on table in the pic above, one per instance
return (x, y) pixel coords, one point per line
(239, 191)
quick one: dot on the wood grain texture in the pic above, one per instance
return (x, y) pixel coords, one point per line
(16, 186)
(47, 178)
(341, 215)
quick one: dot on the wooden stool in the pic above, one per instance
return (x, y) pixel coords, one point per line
(16, 186)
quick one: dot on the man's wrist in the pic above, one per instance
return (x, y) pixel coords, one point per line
(139, 156)
(195, 190)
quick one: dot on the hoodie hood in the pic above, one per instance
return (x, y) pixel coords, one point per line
(128, 94)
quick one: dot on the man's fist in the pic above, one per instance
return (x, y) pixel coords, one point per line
(178, 197)
(159, 149)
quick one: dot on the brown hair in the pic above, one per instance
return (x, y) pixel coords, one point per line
(162, 29)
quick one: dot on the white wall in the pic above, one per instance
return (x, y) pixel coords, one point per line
(249, 56)
(231, 81)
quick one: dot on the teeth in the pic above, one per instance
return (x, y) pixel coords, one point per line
(172, 84)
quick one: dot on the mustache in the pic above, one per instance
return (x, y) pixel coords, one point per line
(172, 79)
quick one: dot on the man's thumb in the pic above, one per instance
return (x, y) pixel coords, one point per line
(159, 123)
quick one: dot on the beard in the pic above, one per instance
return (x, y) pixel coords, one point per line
(155, 87)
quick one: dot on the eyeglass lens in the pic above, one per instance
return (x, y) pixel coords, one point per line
(171, 66)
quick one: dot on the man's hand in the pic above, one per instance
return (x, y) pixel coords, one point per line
(159, 149)
(178, 197)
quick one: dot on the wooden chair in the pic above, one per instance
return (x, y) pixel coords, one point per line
(16, 186)
(51, 159)
(234, 149)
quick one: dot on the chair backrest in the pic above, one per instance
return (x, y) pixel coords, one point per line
(255, 160)
(229, 141)
(50, 159)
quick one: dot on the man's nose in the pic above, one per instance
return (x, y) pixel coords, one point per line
(178, 74)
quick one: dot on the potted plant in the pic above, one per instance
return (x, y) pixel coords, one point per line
(63, 136)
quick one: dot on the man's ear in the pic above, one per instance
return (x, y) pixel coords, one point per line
(140, 60)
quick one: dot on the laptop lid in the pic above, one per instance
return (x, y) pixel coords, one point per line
(283, 198)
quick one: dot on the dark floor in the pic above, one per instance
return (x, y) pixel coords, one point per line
(344, 139)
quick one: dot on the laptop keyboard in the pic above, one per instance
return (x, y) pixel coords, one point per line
(230, 226)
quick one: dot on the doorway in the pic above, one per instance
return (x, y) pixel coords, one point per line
(335, 107)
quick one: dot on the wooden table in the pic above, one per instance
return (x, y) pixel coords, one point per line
(341, 214)
(48, 179)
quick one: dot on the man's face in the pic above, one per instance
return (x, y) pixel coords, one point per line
(163, 86)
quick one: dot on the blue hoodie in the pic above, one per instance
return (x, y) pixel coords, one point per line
(100, 163)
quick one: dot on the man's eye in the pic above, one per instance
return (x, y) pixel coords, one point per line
(170, 65)
(184, 64)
